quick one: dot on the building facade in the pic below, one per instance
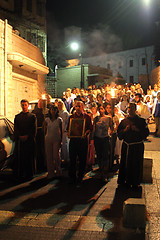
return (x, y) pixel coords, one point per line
(73, 76)
(28, 19)
(155, 76)
(131, 64)
(22, 71)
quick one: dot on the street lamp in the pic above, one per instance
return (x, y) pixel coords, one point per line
(146, 2)
(75, 46)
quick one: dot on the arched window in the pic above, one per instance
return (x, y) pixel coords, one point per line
(143, 61)
(131, 62)
(131, 79)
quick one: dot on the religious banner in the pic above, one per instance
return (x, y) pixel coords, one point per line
(76, 128)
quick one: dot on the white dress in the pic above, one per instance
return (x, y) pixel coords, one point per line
(65, 141)
(52, 147)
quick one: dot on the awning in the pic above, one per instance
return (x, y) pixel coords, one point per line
(28, 64)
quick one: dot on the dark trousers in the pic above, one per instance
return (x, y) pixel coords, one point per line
(112, 149)
(24, 159)
(131, 164)
(77, 148)
(40, 150)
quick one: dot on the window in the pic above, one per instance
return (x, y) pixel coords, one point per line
(120, 64)
(29, 5)
(131, 79)
(131, 63)
(143, 61)
(108, 66)
(40, 8)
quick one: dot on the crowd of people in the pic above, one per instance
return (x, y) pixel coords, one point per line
(104, 125)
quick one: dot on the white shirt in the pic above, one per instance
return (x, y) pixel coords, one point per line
(53, 129)
(102, 125)
(143, 110)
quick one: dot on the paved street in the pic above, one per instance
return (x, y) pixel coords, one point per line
(56, 210)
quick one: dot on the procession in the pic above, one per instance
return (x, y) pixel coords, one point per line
(103, 126)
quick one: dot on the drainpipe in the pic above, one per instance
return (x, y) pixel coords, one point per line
(5, 67)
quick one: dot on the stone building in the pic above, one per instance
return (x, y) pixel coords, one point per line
(28, 19)
(155, 76)
(22, 71)
(23, 52)
(133, 64)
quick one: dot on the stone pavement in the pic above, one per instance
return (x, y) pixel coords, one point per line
(94, 210)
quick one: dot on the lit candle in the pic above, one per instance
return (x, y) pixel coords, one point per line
(113, 100)
(112, 92)
(44, 103)
(43, 96)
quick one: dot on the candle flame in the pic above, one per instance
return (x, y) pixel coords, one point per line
(43, 96)
(112, 92)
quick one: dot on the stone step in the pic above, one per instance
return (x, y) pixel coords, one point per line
(134, 213)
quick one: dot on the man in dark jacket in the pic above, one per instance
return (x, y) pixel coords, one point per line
(24, 131)
(78, 145)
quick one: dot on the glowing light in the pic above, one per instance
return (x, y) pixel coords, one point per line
(74, 46)
(147, 2)
(43, 96)
(112, 92)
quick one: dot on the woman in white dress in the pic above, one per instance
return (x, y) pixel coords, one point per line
(53, 141)
(64, 114)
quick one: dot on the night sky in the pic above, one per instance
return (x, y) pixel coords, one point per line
(130, 21)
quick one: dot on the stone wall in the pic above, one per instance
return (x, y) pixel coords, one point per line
(155, 76)
(119, 62)
(6, 70)
(24, 47)
(15, 82)
(144, 80)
